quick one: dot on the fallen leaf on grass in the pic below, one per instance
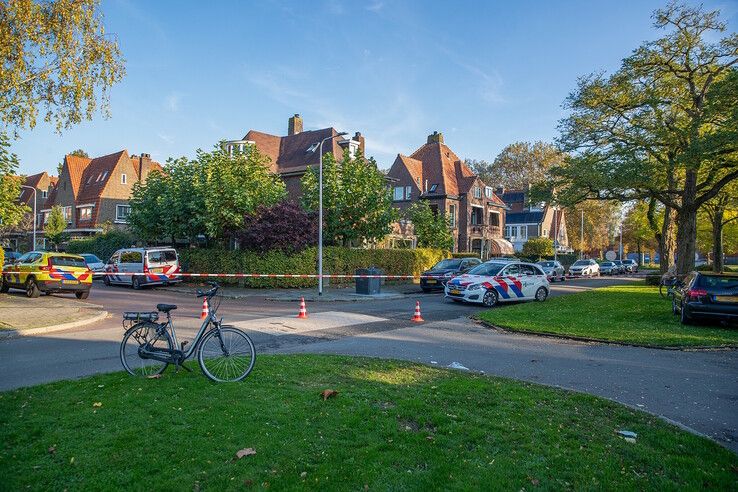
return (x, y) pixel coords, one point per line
(154, 376)
(244, 452)
(52, 449)
(329, 393)
(97, 404)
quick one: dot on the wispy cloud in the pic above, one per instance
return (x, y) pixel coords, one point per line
(490, 82)
(375, 6)
(166, 138)
(172, 102)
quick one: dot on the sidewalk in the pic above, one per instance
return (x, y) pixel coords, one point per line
(330, 293)
(20, 316)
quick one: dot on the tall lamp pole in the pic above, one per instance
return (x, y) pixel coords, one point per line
(581, 238)
(320, 209)
(34, 213)
(556, 236)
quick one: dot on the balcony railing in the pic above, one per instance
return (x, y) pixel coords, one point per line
(485, 230)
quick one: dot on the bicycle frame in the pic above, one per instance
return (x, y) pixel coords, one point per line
(176, 355)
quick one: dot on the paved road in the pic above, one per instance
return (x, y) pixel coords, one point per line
(697, 389)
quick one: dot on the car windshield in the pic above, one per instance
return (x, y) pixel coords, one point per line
(444, 264)
(487, 269)
(547, 263)
(91, 259)
(71, 261)
(581, 263)
(719, 281)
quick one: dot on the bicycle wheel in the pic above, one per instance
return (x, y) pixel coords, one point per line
(226, 355)
(663, 289)
(134, 338)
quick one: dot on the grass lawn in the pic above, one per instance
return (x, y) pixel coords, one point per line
(632, 313)
(393, 425)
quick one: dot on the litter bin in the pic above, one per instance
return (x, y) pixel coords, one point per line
(368, 286)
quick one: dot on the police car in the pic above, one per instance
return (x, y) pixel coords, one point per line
(499, 281)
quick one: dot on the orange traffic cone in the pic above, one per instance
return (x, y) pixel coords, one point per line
(416, 317)
(303, 312)
(205, 309)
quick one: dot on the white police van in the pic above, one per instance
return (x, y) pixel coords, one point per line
(499, 281)
(142, 266)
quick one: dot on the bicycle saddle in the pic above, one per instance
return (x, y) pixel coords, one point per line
(165, 308)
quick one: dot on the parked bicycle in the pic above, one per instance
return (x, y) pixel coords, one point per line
(225, 354)
(667, 286)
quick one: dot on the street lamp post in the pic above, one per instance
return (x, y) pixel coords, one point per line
(34, 213)
(556, 236)
(320, 209)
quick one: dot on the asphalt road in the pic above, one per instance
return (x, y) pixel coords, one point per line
(695, 389)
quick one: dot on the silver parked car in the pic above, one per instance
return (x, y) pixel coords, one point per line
(582, 268)
(631, 266)
(609, 268)
(95, 264)
(553, 270)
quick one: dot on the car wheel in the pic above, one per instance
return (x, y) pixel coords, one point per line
(82, 295)
(541, 294)
(32, 290)
(490, 298)
(136, 283)
(106, 280)
(563, 277)
(4, 287)
(684, 318)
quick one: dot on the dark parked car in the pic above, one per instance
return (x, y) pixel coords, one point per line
(707, 296)
(445, 270)
(553, 270)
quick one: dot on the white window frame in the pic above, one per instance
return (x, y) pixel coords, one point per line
(67, 211)
(477, 192)
(398, 194)
(123, 178)
(118, 217)
(488, 191)
(452, 215)
(408, 192)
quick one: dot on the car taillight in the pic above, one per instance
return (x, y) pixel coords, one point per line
(146, 266)
(47, 267)
(696, 293)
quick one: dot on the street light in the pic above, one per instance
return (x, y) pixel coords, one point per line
(320, 206)
(34, 213)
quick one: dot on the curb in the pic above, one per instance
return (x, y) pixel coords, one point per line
(9, 334)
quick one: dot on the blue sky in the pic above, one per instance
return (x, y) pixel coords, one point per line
(484, 73)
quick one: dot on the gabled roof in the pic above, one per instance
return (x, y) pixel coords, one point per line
(76, 165)
(96, 175)
(289, 153)
(524, 218)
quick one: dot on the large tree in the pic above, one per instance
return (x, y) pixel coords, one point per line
(431, 229)
(518, 165)
(639, 232)
(57, 62)
(55, 226)
(721, 215)
(662, 127)
(11, 211)
(357, 204)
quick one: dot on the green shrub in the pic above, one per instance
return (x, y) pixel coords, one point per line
(653, 279)
(102, 245)
(336, 260)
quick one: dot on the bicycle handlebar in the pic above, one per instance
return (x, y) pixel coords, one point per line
(210, 293)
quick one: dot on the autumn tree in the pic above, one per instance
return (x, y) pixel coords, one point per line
(662, 127)
(55, 226)
(538, 247)
(721, 213)
(518, 165)
(600, 224)
(432, 229)
(11, 211)
(639, 233)
(357, 204)
(58, 62)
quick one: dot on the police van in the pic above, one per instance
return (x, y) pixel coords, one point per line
(138, 267)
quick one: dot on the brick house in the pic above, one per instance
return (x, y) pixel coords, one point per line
(436, 174)
(96, 191)
(22, 236)
(526, 220)
(292, 154)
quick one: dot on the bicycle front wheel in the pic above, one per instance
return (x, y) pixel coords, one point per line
(137, 336)
(226, 355)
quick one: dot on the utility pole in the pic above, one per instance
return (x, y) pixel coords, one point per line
(581, 240)
(34, 214)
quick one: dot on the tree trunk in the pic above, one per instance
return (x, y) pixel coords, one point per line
(687, 225)
(717, 240)
(666, 240)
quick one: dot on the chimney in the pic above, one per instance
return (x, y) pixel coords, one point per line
(362, 142)
(500, 190)
(294, 125)
(144, 165)
(435, 137)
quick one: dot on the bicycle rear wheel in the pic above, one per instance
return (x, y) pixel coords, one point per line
(137, 336)
(226, 355)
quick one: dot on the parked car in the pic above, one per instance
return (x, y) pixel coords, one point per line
(499, 281)
(621, 266)
(444, 270)
(95, 264)
(707, 296)
(631, 266)
(553, 270)
(11, 257)
(40, 271)
(584, 268)
(609, 268)
(143, 266)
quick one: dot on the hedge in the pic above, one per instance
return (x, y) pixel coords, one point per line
(101, 245)
(336, 260)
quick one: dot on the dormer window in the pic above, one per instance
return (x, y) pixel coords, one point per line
(99, 177)
(89, 180)
(477, 192)
(44, 193)
(123, 179)
(105, 175)
(433, 188)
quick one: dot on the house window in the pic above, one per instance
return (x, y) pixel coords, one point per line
(105, 175)
(44, 193)
(123, 179)
(451, 215)
(523, 231)
(433, 188)
(399, 193)
(488, 191)
(85, 213)
(476, 216)
(408, 190)
(89, 179)
(122, 212)
(508, 231)
(494, 219)
(45, 217)
(67, 214)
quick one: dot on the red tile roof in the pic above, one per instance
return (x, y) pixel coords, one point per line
(289, 153)
(95, 176)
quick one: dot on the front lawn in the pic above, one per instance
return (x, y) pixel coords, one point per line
(393, 425)
(634, 314)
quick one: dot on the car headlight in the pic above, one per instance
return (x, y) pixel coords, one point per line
(474, 287)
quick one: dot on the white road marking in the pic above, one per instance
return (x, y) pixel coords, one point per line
(286, 325)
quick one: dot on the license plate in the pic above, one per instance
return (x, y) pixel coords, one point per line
(456, 292)
(70, 282)
(726, 298)
(431, 281)
(157, 270)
